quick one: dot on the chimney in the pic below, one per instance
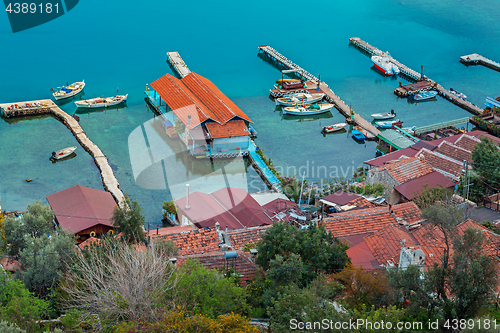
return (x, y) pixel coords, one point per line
(390, 208)
(187, 196)
(189, 120)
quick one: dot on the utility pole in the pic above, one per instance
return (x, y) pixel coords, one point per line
(301, 187)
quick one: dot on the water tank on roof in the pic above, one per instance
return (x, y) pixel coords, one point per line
(230, 255)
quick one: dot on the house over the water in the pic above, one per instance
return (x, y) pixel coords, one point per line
(206, 120)
(83, 211)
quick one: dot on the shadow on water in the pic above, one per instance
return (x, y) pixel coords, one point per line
(300, 119)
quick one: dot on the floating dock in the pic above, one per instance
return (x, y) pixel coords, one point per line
(371, 50)
(477, 59)
(178, 65)
(312, 85)
(109, 180)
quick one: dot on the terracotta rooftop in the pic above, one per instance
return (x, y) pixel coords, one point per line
(241, 237)
(196, 241)
(197, 97)
(442, 163)
(170, 230)
(229, 129)
(361, 203)
(406, 169)
(458, 153)
(408, 212)
(467, 142)
(415, 187)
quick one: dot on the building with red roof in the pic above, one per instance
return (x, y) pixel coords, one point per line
(83, 211)
(214, 125)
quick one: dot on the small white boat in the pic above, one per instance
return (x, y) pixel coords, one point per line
(101, 102)
(69, 91)
(304, 110)
(62, 153)
(300, 98)
(386, 124)
(334, 127)
(386, 115)
(424, 95)
(458, 94)
(383, 64)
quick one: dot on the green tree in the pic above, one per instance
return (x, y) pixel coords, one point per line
(130, 222)
(207, 292)
(486, 162)
(317, 248)
(429, 197)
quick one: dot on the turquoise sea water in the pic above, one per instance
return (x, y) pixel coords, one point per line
(122, 44)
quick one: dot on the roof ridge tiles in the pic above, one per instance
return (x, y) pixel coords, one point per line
(454, 146)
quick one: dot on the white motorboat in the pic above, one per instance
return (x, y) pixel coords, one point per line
(458, 94)
(386, 115)
(60, 154)
(304, 110)
(383, 64)
(334, 127)
(69, 91)
(300, 98)
(101, 102)
(386, 124)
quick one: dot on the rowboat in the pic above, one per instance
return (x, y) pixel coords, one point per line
(69, 91)
(358, 135)
(62, 153)
(386, 124)
(383, 64)
(458, 94)
(302, 110)
(386, 115)
(334, 127)
(101, 102)
(424, 95)
(300, 98)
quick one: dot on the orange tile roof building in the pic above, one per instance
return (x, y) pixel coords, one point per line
(213, 125)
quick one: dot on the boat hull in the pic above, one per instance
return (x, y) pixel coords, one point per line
(58, 96)
(297, 99)
(425, 96)
(358, 135)
(385, 66)
(379, 116)
(386, 124)
(106, 103)
(334, 128)
(63, 153)
(300, 111)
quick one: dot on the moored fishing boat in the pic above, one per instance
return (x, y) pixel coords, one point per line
(300, 98)
(69, 91)
(303, 110)
(458, 94)
(386, 115)
(383, 64)
(334, 127)
(60, 154)
(386, 124)
(424, 95)
(358, 135)
(101, 102)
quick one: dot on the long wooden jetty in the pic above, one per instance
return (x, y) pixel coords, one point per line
(109, 180)
(477, 59)
(371, 50)
(312, 83)
(466, 105)
(179, 66)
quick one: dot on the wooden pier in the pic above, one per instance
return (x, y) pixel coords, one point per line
(109, 180)
(371, 50)
(464, 104)
(477, 59)
(179, 66)
(312, 84)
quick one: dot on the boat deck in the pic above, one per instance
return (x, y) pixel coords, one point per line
(477, 59)
(109, 180)
(174, 59)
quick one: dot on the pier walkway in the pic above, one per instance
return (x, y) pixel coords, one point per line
(464, 104)
(312, 82)
(262, 169)
(477, 59)
(175, 60)
(109, 180)
(371, 50)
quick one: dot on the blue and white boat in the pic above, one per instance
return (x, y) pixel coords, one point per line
(358, 135)
(386, 124)
(492, 101)
(424, 95)
(307, 110)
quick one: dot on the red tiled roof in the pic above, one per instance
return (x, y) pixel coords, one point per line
(341, 198)
(458, 153)
(361, 203)
(391, 157)
(441, 162)
(88, 243)
(408, 212)
(241, 237)
(229, 129)
(359, 221)
(197, 97)
(79, 207)
(467, 142)
(415, 186)
(406, 169)
(170, 230)
(196, 241)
